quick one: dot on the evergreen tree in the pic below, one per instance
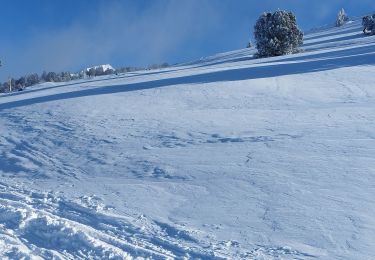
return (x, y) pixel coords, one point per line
(109, 72)
(91, 72)
(342, 18)
(277, 34)
(32, 79)
(99, 71)
(20, 83)
(52, 77)
(368, 23)
(44, 76)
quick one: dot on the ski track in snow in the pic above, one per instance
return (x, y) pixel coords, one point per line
(228, 157)
(46, 225)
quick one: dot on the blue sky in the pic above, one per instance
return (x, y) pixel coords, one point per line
(67, 35)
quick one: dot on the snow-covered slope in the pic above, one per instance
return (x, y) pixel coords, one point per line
(227, 157)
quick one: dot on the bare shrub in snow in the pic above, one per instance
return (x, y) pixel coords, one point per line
(342, 18)
(277, 34)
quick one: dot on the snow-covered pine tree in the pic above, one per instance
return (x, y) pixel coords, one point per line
(342, 18)
(277, 34)
(368, 23)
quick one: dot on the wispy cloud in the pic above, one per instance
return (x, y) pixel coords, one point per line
(119, 31)
(144, 32)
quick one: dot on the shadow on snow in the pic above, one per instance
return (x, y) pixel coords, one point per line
(326, 61)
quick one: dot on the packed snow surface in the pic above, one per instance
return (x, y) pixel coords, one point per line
(228, 157)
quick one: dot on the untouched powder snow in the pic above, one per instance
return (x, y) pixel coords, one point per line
(227, 157)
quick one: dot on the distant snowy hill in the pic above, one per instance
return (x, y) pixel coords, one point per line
(228, 157)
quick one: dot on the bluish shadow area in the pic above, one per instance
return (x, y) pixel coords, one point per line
(231, 60)
(359, 56)
(10, 165)
(243, 55)
(336, 32)
(340, 39)
(340, 55)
